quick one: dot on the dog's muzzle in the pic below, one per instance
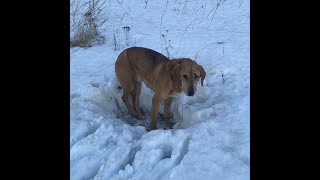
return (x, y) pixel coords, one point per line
(190, 91)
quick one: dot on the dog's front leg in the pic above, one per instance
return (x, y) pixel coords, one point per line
(156, 101)
(167, 114)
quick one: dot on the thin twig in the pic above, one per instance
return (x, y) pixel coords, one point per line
(161, 24)
(75, 51)
(202, 49)
(120, 2)
(205, 6)
(101, 69)
(184, 32)
(125, 10)
(215, 8)
(165, 43)
(222, 75)
(146, 2)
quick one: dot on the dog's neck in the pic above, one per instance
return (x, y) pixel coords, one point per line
(176, 86)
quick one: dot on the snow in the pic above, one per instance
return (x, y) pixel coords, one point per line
(211, 135)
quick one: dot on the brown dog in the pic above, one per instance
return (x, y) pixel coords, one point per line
(166, 78)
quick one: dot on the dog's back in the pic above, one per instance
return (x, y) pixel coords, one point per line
(142, 59)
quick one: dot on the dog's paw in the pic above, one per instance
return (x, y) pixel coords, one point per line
(134, 115)
(169, 124)
(152, 127)
(141, 117)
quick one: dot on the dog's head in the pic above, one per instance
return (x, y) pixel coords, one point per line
(187, 74)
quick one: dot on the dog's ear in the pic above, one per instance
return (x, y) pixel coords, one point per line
(175, 74)
(202, 74)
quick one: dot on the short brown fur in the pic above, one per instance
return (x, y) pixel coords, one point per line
(166, 78)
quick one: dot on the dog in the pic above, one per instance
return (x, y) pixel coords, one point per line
(166, 78)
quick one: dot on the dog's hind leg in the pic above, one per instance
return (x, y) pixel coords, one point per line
(135, 97)
(125, 98)
(125, 76)
(127, 87)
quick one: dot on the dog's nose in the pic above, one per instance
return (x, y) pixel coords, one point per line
(190, 91)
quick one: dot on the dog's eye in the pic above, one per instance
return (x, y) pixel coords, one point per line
(185, 76)
(195, 76)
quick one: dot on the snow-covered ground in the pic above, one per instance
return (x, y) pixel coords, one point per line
(211, 135)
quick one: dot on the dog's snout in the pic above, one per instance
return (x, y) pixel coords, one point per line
(191, 91)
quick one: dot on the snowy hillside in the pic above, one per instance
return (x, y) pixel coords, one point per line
(211, 135)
